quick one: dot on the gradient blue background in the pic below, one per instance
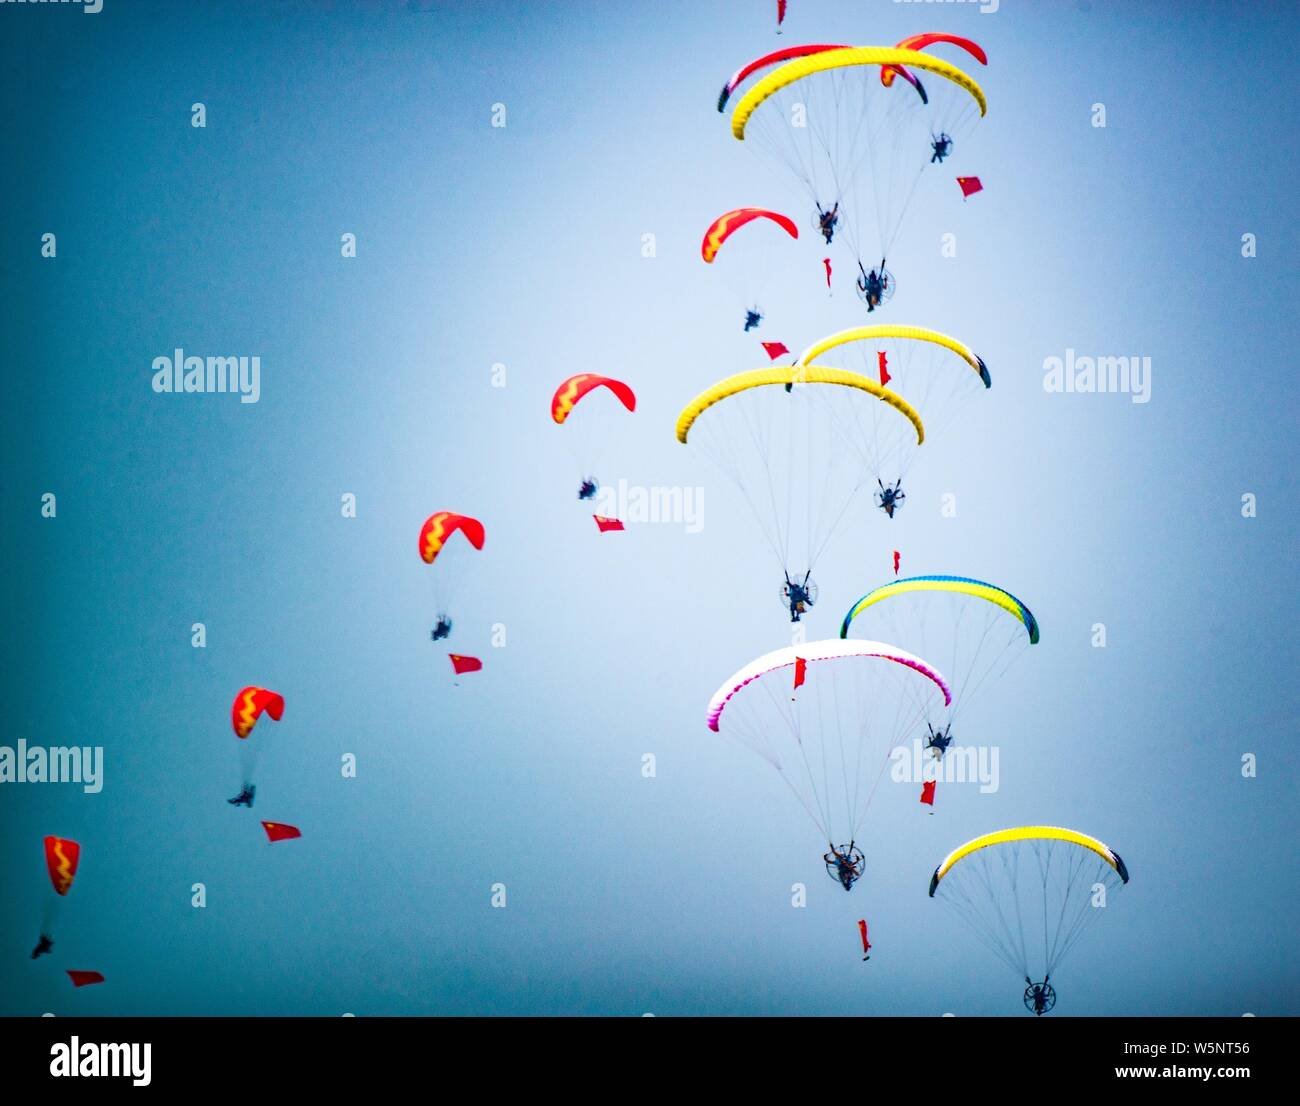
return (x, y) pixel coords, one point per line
(523, 246)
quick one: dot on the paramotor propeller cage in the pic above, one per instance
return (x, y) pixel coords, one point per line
(802, 593)
(886, 288)
(817, 215)
(835, 862)
(1040, 1005)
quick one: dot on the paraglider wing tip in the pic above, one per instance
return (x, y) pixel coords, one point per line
(984, 373)
(934, 882)
(1120, 867)
(723, 98)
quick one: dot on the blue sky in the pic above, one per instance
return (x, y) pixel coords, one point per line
(522, 246)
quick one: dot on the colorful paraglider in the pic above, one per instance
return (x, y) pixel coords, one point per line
(249, 706)
(62, 855)
(933, 372)
(1029, 893)
(975, 630)
(595, 427)
(858, 142)
(826, 715)
(801, 453)
(750, 259)
(436, 536)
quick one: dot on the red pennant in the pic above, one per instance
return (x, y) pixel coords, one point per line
(927, 792)
(84, 979)
(775, 349)
(969, 186)
(780, 14)
(800, 670)
(278, 831)
(827, 262)
(862, 929)
(465, 664)
(882, 361)
(604, 525)
(896, 560)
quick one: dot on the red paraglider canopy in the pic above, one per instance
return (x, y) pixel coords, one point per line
(567, 394)
(725, 225)
(61, 858)
(440, 526)
(774, 58)
(249, 705)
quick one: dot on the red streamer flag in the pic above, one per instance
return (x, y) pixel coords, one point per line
(278, 831)
(83, 979)
(465, 664)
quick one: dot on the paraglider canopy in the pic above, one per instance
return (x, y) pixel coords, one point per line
(572, 390)
(724, 226)
(440, 526)
(799, 453)
(62, 855)
(1029, 893)
(858, 142)
(249, 706)
(827, 715)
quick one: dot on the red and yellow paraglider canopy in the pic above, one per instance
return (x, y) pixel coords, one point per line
(249, 706)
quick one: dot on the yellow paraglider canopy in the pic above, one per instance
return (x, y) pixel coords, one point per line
(793, 374)
(844, 59)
